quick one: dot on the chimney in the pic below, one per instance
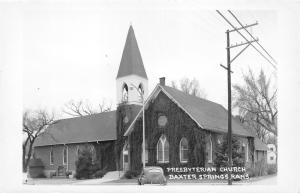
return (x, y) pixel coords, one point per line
(162, 81)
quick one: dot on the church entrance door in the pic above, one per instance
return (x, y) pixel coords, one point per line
(125, 158)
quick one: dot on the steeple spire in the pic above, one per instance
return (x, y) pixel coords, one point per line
(131, 62)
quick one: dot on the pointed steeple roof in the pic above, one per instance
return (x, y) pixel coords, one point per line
(131, 62)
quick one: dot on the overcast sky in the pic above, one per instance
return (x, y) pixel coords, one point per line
(73, 51)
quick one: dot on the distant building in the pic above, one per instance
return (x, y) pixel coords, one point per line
(180, 129)
(271, 154)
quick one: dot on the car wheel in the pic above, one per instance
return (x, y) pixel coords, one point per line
(165, 182)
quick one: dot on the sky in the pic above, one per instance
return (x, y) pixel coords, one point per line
(73, 51)
(61, 49)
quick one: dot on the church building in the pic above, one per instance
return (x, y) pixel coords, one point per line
(180, 129)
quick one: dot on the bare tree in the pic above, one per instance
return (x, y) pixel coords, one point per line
(257, 104)
(190, 87)
(249, 121)
(34, 124)
(82, 108)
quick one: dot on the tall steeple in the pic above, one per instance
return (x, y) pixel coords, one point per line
(131, 62)
(132, 78)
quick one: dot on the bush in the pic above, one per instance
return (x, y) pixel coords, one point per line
(258, 170)
(41, 175)
(84, 165)
(222, 155)
(52, 174)
(272, 169)
(99, 173)
(36, 168)
(131, 174)
(68, 173)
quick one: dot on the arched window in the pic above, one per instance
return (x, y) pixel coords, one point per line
(51, 156)
(93, 153)
(146, 152)
(125, 93)
(77, 151)
(183, 150)
(209, 150)
(245, 151)
(162, 150)
(65, 155)
(141, 92)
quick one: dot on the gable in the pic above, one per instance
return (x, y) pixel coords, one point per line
(209, 115)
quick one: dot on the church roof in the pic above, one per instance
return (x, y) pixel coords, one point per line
(131, 62)
(97, 127)
(208, 115)
(90, 128)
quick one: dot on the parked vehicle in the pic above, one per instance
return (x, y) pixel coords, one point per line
(152, 175)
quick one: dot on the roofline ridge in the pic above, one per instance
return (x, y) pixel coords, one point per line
(193, 95)
(85, 115)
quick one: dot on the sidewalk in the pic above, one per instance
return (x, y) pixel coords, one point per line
(264, 180)
(110, 176)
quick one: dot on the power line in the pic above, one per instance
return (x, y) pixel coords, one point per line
(245, 38)
(252, 36)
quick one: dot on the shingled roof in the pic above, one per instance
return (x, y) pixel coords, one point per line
(131, 62)
(97, 127)
(208, 115)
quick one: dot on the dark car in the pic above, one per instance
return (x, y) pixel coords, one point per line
(152, 175)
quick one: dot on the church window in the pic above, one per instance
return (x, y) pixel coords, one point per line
(162, 150)
(125, 120)
(219, 139)
(125, 93)
(162, 120)
(93, 153)
(51, 156)
(209, 150)
(141, 92)
(183, 150)
(78, 151)
(245, 151)
(65, 155)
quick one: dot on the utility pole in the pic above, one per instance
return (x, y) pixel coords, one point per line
(144, 148)
(229, 107)
(228, 68)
